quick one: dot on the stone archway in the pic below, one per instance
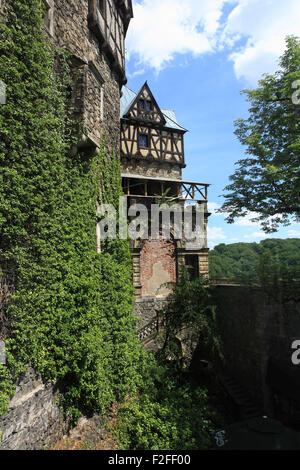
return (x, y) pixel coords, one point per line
(157, 267)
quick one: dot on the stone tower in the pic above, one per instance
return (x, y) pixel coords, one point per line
(94, 32)
(152, 159)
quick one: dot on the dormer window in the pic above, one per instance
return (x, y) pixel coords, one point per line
(141, 105)
(145, 105)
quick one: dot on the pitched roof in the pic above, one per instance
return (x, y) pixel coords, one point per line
(128, 97)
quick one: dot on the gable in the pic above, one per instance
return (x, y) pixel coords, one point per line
(145, 108)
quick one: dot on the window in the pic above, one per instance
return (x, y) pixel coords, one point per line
(192, 266)
(102, 7)
(145, 105)
(141, 104)
(144, 141)
(102, 104)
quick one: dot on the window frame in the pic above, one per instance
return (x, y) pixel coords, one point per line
(142, 134)
(149, 102)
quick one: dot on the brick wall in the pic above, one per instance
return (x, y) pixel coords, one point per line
(158, 266)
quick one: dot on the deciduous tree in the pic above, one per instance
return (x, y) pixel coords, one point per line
(267, 181)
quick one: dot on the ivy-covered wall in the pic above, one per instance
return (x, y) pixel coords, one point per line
(71, 314)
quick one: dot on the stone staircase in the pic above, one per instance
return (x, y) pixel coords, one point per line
(148, 331)
(246, 407)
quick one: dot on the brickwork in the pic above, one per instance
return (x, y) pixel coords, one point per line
(158, 267)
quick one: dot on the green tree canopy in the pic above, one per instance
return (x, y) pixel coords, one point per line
(235, 261)
(267, 182)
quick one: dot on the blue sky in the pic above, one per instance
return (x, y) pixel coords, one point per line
(197, 56)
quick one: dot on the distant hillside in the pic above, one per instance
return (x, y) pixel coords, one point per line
(240, 259)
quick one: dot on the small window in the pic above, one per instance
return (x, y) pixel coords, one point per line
(102, 104)
(144, 141)
(102, 7)
(141, 104)
(148, 105)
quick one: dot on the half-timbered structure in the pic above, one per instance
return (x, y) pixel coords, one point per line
(152, 159)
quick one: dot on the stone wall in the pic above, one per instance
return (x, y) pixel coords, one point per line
(151, 169)
(254, 328)
(147, 309)
(100, 104)
(33, 420)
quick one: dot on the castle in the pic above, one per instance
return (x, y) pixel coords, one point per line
(150, 140)
(152, 159)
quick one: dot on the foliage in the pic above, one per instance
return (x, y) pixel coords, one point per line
(237, 260)
(278, 281)
(172, 414)
(272, 264)
(71, 316)
(6, 389)
(191, 311)
(268, 181)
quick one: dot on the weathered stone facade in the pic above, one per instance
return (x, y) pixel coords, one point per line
(158, 267)
(98, 75)
(165, 170)
(33, 419)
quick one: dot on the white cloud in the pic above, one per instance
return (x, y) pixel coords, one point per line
(253, 34)
(213, 207)
(260, 235)
(247, 220)
(265, 23)
(162, 28)
(215, 233)
(294, 233)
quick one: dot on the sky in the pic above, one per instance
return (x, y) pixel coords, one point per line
(197, 56)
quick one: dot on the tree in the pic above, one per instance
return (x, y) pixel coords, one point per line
(267, 182)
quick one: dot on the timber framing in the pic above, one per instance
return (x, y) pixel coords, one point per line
(153, 115)
(165, 145)
(138, 186)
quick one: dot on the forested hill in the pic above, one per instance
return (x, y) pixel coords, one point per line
(240, 259)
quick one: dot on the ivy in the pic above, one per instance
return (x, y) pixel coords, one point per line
(71, 315)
